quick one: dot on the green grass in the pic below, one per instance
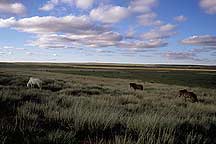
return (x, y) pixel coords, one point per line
(187, 78)
(84, 106)
(172, 75)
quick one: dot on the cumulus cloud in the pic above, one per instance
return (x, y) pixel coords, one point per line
(64, 41)
(10, 53)
(143, 44)
(181, 56)
(105, 39)
(167, 27)
(20, 48)
(147, 19)
(82, 4)
(102, 51)
(51, 24)
(130, 33)
(12, 8)
(7, 22)
(49, 5)
(202, 40)
(180, 18)
(158, 36)
(162, 32)
(112, 14)
(144, 11)
(109, 14)
(142, 6)
(75, 32)
(209, 6)
(50, 41)
(8, 47)
(204, 49)
(28, 53)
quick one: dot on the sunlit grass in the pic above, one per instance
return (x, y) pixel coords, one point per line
(87, 109)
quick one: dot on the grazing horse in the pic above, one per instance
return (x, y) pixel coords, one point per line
(192, 96)
(182, 92)
(136, 86)
(186, 94)
(34, 81)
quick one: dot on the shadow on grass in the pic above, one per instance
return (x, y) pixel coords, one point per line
(195, 133)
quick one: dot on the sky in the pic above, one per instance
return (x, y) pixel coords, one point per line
(108, 31)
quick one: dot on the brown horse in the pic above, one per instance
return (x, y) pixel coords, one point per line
(192, 96)
(182, 92)
(136, 86)
(186, 94)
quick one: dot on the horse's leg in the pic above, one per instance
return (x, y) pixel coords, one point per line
(38, 85)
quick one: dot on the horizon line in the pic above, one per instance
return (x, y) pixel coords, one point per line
(94, 62)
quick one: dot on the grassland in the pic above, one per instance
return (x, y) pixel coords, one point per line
(86, 103)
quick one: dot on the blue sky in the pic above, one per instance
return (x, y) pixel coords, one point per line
(129, 31)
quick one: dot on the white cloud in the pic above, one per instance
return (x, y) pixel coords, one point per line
(29, 53)
(180, 18)
(49, 5)
(105, 39)
(109, 14)
(203, 49)
(144, 11)
(51, 24)
(12, 8)
(142, 6)
(73, 40)
(162, 32)
(167, 27)
(147, 19)
(181, 56)
(7, 22)
(130, 33)
(178, 55)
(74, 32)
(102, 51)
(82, 4)
(20, 48)
(209, 6)
(8, 47)
(143, 44)
(202, 40)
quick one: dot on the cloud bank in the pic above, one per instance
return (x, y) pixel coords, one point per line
(202, 40)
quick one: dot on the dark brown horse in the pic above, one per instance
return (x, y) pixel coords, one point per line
(192, 96)
(136, 86)
(182, 92)
(186, 94)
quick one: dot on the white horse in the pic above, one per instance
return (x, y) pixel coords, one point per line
(34, 81)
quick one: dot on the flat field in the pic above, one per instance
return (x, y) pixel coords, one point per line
(93, 104)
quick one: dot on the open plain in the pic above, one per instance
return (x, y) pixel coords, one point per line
(94, 104)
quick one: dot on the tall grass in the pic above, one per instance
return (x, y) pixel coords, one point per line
(95, 110)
